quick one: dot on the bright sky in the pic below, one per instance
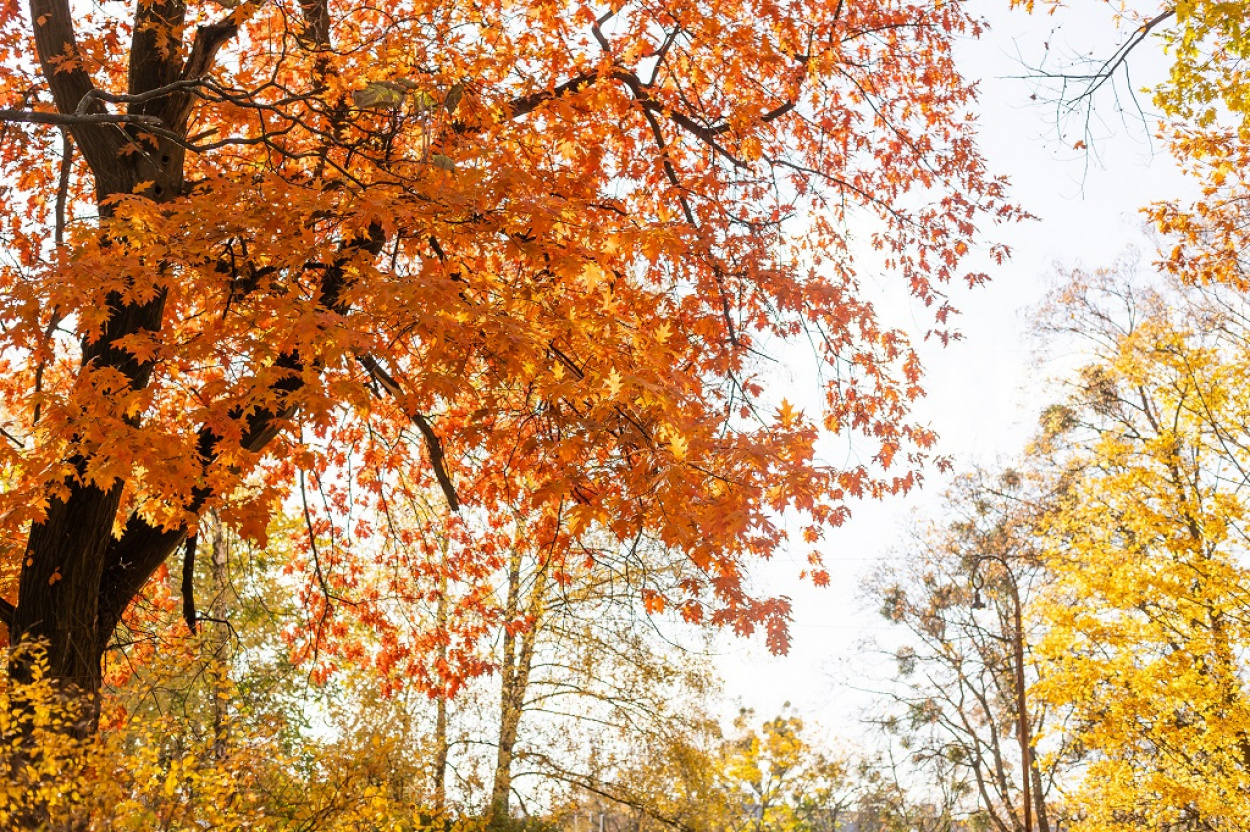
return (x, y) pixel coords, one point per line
(984, 393)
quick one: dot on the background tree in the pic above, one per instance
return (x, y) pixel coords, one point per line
(1205, 116)
(1200, 110)
(756, 775)
(960, 592)
(589, 674)
(1146, 618)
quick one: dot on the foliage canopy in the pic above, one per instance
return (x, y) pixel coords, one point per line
(526, 253)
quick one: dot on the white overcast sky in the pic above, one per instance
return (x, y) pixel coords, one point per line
(984, 393)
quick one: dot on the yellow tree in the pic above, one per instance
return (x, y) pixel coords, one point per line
(758, 776)
(1206, 108)
(1203, 110)
(1146, 619)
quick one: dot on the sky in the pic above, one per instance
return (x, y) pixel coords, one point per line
(985, 391)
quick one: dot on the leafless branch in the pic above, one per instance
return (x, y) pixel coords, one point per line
(35, 117)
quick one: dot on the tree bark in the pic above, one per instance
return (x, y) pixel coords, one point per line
(441, 748)
(515, 669)
(220, 644)
(61, 581)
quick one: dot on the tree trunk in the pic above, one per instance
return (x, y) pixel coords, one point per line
(518, 658)
(440, 717)
(220, 643)
(509, 697)
(77, 579)
(66, 598)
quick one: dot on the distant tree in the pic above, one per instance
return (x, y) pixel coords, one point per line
(962, 591)
(583, 673)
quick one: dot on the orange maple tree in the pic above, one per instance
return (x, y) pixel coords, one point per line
(526, 255)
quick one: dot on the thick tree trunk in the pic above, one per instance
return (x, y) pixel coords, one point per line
(77, 579)
(63, 574)
(65, 601)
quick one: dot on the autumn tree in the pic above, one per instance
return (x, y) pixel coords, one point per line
(778, 781)
(573, 654)
(771, 775)
(1146, 625)
(247, 242)
(664, 781)
(1205, 114)
(962, 591)
(585, 671)
(1201, 110)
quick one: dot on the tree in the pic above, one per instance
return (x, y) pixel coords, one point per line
(758, 775)
(778, 782)
(249, 244)
(1206, 113)
(964, 594)
(1146, 625)
(1201, 110)
(591, 674)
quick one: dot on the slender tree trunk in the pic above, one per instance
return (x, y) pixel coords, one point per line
(1039, 799)
(518, 658)
(1022, 708)
(218, 610)
(440, 717)
(509, 698)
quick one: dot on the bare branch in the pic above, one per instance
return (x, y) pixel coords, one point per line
(84, 105)
(71, 119)
(62, 187)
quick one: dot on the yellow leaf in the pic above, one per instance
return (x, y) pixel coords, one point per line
(614, 384)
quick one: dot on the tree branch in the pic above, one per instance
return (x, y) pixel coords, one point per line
(62, 198)
(188, 584)
(208, 40)
(74, 119)
(433, 444)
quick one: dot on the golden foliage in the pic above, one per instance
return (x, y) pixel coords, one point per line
(1146, 621)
